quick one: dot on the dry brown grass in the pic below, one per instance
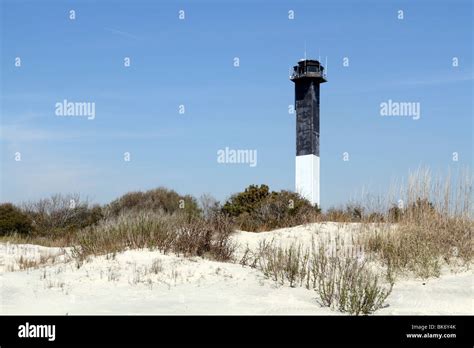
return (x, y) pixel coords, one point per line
(432, 226)
(26, 263)
(63, 240)
(179, 233)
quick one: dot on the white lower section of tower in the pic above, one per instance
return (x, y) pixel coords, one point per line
(307, 177)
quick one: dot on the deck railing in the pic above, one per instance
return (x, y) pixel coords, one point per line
(319, 73)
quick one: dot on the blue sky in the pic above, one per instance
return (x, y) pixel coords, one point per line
(190, 62)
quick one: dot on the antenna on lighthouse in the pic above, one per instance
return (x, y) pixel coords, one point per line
(305, 50)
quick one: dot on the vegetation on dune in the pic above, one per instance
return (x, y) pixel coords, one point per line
(344, 283)
(425, 225)
(156, 200)
(60, 214)
(433, 227)
(259, 209)
(52, 221)
(13, 220)
(179, 233)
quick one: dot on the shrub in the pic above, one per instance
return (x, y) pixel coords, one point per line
(395, 213)
(209, 206)
(13, 220)
(283, 264)
(61, 214)
(182, 234)
(343, 283)
(355, 212)
(375, 217)
(160, 199)
(246, 201)
(351, 213)
(336, 215)
(258, 209)
(284, 209)
(204, 237)
(348, 284)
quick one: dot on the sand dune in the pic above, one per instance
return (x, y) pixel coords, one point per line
(149, 282)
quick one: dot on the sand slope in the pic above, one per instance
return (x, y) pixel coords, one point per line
(129, 283)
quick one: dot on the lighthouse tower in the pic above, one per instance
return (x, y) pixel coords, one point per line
(307, 76)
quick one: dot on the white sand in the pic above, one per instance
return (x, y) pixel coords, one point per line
(127, 284)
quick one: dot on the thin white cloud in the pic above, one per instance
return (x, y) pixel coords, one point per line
(435, 80)
(123, 33)
(19, 133)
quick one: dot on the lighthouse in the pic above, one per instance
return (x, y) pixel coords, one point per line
(307, 76)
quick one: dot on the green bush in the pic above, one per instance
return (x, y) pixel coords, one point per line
(258, 209)
(247, 201)
(13, 220)
(157, 200)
